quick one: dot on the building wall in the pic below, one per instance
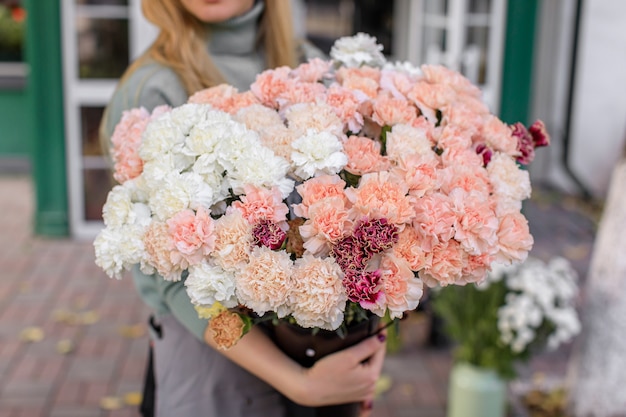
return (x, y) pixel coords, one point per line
(596, 127)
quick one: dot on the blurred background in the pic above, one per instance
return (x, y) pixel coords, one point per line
(562, 61)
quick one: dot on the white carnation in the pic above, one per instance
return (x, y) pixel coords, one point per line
(160, 137)
(170, 198)
(358, 50)
(317, 153)
(509, 181)
(188, 115)
(118, 249)
(204, 136)
(262, 168)
(207, 284)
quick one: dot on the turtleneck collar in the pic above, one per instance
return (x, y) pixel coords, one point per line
(236, 36)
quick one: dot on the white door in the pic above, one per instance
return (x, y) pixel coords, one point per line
(100, 39)
(464, 35)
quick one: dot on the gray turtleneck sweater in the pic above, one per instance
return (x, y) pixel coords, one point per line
(234, 50)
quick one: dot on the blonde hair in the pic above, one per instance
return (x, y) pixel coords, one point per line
(181, 43)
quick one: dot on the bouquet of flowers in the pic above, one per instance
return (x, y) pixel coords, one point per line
(325, 194)
(515, 312)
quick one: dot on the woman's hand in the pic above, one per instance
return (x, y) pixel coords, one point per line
(346, 376)
(349, 375)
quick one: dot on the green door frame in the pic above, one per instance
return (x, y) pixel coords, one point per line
(517, 68)
(44, 55)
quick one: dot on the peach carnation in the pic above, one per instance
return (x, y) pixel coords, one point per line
(266, 282)
(382, 195)
(410, 249)
(346, 106)
(364, 155)
(390, 111)
(402, 289)
(261, 204)
(316, 189)
(328, 222)
(233, 240)
(447, 266)
(514, 239)
(318, 297)
(226, 329)
(158, 245)
(271, 84)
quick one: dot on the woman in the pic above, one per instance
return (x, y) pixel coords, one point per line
(203, 43)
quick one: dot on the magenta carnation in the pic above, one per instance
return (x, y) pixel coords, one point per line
(363, 287)
(268, 234)
(376, 235)
(349, 254)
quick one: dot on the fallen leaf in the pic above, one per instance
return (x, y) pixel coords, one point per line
(111, 403)
(65, 346)
(132, 398)
(133, 331)
(32, 334)
(89, 317)
(383, 384)
(61, 315)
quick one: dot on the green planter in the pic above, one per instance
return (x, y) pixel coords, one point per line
(476, 392)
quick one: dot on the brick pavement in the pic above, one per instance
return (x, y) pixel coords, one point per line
(70, 336)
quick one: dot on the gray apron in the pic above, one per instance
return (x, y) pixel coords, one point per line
(193, 380)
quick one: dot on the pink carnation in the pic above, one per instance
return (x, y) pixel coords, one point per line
(434, 220)
(447, 266)
(312, 71)
(271, 84)
(382, 194)
(316, 189)
(192, 236)
(328, 222)
(364, 80)
(126, 140)
(261, 204)
(224, 97)
(438, 74)
(419, 172)
(499, 136)
(410, 249)
(476, 224)
(514, 238)
(402, 289)
(301, 92)
(389, 111)
(158, 245)
(364, 155)
(346, 106)
(365, 288)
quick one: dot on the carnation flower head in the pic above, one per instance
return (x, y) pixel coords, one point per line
(358, 50)
(269, 234)
(364, 287)
(318, 298)
(375, 235)
(226, 329)
(403, 290)
(349, 254)
(117, 249)
(265, 283)
(317, 153)
(208, 284)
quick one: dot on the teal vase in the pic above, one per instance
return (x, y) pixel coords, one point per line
(476, 392)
